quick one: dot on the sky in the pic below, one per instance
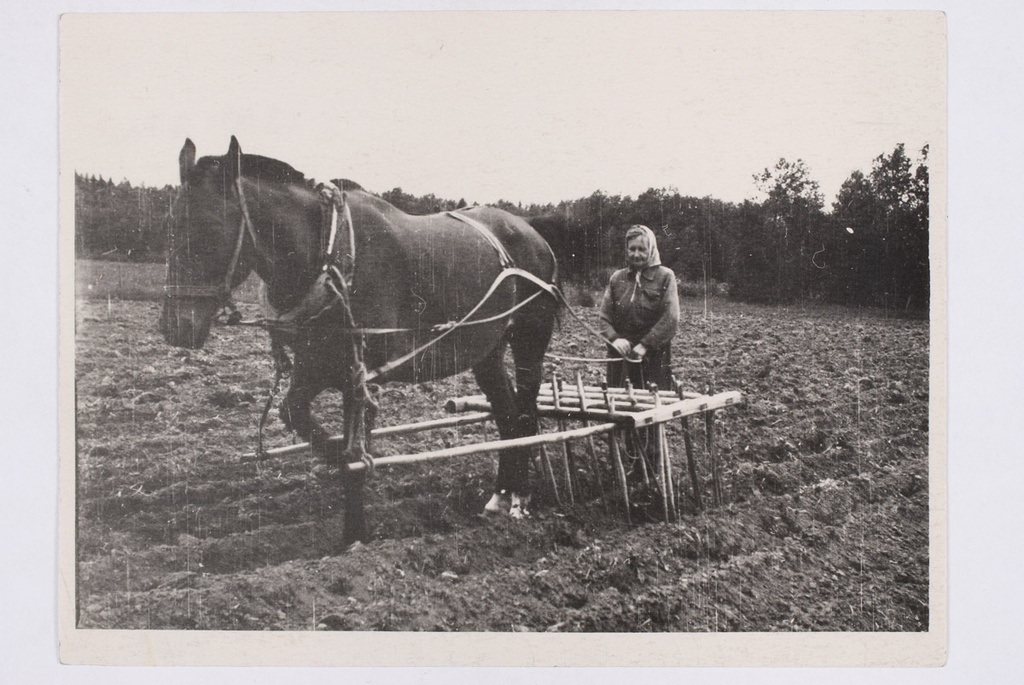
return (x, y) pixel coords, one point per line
(529, 107)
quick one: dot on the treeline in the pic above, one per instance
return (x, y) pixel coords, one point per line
(869, 248)
(120, 222)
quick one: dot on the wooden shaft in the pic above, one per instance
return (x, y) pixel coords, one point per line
(635, 436)
(687, 407)
(567, 466)
(495, 446)
(662, 438)
(669, 472)
(595, 465)
(614, 390)
(709, 441)
(596, 392)
(620, 472)
(574, 402)
(593, 401)
(566, 458)
(549, 412)
(404, 429)
(384, 431)
(691, 462)
(661, 466)
(647, 416)
(549, 471)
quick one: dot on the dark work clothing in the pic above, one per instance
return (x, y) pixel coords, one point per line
(656, 367)
(641, 310)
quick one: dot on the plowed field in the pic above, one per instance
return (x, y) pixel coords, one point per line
(825, 475)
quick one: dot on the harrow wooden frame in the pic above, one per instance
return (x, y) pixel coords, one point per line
(612, 412)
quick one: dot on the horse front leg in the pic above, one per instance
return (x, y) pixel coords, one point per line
(297, 416)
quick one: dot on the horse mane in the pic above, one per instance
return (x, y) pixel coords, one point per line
(347, 184)
(269, 169)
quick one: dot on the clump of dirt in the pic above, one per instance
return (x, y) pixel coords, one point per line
(824, 473)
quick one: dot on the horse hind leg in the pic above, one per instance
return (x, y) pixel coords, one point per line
(512, 480)
(528, 337)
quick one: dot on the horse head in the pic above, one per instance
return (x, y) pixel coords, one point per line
(205, 259)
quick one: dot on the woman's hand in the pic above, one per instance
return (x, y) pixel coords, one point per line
(639, 351)
(622, 346)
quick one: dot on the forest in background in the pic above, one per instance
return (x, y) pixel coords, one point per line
(869, 248)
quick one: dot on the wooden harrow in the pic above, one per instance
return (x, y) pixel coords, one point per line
(622, 415)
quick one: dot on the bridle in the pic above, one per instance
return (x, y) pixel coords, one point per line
(221, 291)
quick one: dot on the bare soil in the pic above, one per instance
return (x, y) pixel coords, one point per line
(825, 474)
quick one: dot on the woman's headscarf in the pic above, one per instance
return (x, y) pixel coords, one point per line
(647, 235)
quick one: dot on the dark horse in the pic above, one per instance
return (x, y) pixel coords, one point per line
(413, 298)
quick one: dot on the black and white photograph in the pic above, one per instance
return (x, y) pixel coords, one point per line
(510, 337)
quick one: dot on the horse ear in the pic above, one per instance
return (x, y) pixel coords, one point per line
(186, 160)
(235, 158)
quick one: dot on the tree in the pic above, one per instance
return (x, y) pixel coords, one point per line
(880, 233)
(854, 248)
(903, 192)
(776, 262)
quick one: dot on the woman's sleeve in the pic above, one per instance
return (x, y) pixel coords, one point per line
(665, 327)
(606, 326)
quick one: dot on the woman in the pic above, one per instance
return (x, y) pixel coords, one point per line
(640, 313)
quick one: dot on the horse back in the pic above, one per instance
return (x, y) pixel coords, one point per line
(419, 274)
(529, 251)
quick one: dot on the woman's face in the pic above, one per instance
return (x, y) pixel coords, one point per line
(636, 252)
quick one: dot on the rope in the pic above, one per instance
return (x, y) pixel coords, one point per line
(565, 303)
(512, 271)
(278, 374)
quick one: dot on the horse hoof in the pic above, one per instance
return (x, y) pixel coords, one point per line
(497, 505)
(327, 471)
(518, 512)
(518, 508)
